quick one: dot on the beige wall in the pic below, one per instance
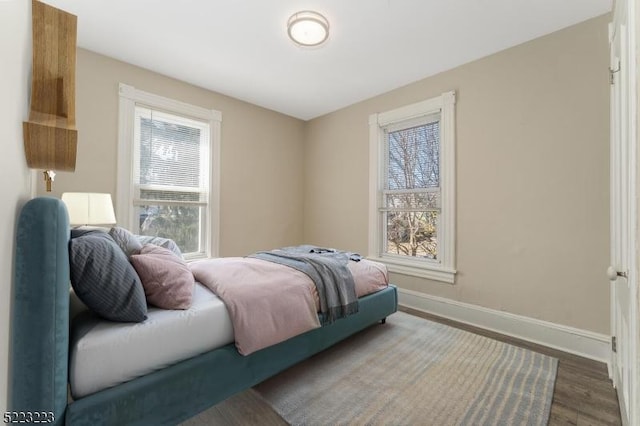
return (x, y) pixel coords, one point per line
(261, 187)
(532, 177)
(15, 51)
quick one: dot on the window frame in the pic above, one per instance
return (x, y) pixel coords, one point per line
(442, 269)
(129, 98)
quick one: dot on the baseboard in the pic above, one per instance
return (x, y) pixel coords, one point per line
(584, 343)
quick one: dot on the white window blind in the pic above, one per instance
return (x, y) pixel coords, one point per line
(171, 177)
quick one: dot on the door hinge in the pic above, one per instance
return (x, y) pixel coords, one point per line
(614, 344)
(612, 73)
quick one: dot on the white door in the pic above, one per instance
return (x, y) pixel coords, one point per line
(623, 271)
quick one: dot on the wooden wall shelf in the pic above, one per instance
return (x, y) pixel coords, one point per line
(50, 135)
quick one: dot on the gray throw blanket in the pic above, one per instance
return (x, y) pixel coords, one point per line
(328, 269)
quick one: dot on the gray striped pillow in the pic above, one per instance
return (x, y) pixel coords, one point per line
(128, 242)
(104, 280)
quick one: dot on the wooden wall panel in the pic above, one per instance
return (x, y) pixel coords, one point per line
(50, 135)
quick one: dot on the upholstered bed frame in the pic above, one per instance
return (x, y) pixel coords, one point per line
(40, 343)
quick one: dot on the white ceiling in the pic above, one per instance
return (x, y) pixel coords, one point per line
(241, 49)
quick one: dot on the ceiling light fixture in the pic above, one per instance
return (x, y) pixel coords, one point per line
(307, 28)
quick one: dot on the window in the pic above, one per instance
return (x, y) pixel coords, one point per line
(168, 168)
(412, 198)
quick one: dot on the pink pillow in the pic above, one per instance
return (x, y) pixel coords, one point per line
(166, 279)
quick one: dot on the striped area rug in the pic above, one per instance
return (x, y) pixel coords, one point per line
(411, 371)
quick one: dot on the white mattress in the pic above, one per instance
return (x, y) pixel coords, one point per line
(105, 354)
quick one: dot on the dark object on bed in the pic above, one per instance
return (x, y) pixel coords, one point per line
(40, 343)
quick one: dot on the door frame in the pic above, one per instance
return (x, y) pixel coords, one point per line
(628, 350)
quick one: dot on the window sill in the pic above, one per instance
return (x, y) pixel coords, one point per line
(193, 257)
(415, 269)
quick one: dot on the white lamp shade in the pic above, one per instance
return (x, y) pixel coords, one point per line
(89, 208)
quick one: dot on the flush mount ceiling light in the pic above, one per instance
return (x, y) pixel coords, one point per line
(307, 28)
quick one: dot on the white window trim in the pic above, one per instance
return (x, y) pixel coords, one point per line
(444, 269)
(129, 97)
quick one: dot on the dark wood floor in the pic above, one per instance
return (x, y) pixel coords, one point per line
(583, 393)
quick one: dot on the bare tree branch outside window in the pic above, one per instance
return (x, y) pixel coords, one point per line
(412, 204)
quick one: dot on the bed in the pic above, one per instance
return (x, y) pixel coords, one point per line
(39, 374)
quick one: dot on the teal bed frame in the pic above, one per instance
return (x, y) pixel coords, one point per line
(40, 344)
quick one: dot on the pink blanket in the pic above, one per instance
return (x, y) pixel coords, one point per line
(268, 303)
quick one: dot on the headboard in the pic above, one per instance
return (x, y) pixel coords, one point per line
(40, 310)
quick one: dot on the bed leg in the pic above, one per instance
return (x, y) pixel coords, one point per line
(383, 320)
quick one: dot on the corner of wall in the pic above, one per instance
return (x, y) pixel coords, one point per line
(15, 49)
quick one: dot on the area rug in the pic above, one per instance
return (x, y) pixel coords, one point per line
(411, 371)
